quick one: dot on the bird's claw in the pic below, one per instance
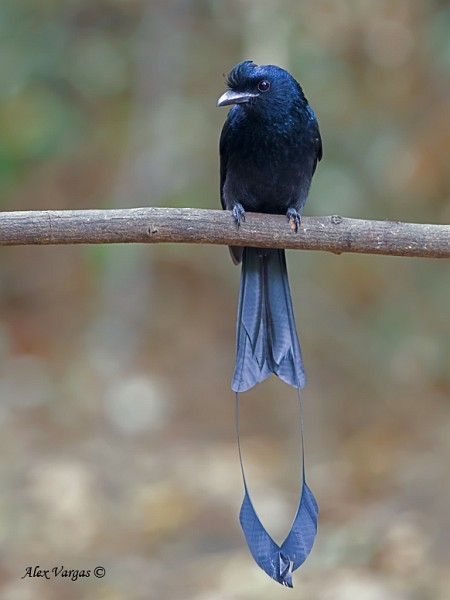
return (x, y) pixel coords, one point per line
(294, 219)
(238, 213)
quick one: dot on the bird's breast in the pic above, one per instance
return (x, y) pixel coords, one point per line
(269, 169)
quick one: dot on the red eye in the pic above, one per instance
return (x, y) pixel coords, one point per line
(264, 85)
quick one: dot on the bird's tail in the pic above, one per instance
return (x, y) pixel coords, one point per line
(267, 343)
(266, 340)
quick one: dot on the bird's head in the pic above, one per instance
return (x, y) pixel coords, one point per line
(261, 88)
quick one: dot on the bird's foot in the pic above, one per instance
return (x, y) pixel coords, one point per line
(238, 213)
(294, 219)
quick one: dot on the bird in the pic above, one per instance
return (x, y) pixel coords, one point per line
(269, 148)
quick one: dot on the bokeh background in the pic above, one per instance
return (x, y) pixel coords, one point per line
(116, 414)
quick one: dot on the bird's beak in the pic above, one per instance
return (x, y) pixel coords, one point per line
(231, 97)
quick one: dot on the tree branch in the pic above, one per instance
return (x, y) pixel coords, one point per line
(198, 226)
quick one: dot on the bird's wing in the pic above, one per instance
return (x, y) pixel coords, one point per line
(224, 152)
(314, 125)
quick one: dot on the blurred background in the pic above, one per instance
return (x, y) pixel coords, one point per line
(116, 414)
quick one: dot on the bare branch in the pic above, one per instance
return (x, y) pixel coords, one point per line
(198, 226)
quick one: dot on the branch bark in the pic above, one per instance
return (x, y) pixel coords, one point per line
(198, 226)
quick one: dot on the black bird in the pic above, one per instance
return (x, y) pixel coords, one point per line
(269, 148)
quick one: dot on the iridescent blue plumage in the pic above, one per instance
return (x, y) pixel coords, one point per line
(269, 149)
(270, 142)
(266, 336)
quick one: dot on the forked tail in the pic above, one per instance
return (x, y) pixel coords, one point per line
(266, 337)
(267, 343)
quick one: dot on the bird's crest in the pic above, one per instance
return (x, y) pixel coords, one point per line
(239, 75)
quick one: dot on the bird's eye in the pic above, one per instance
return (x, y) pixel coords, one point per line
(264, 85)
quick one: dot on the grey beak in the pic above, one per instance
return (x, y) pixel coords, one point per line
(231, 97)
